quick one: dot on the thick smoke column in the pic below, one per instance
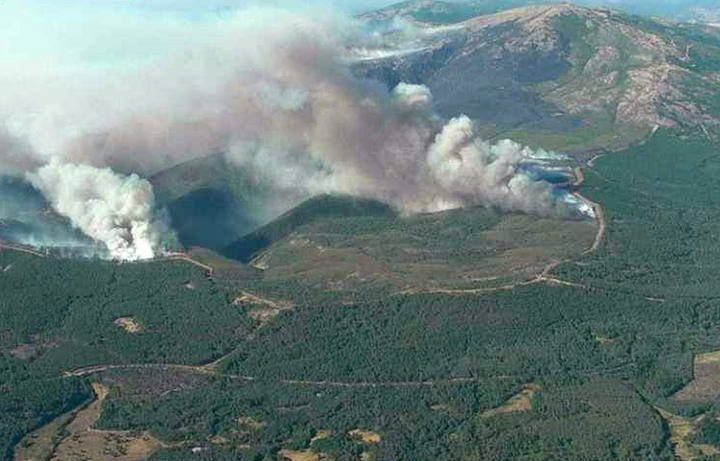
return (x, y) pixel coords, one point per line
(474, 171)
(274, 91)
(113, 209)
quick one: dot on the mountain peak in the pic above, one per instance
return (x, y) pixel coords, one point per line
(534, 15)
(563, 67)
(444, 12)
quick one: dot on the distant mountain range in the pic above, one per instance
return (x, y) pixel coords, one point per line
(562, 76)
(450, 11)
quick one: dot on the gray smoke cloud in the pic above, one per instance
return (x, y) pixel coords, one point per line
(25, 218)
(273, 90)
(116, 210)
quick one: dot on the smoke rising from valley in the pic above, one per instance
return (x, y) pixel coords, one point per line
(270, 88)
(116, 210)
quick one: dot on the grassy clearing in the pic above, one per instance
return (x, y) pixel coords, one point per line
(72, 437)
(682, 432)
(40, 445)
(463, 249)
(705, 386)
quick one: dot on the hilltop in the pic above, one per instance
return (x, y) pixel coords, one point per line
(560, 75)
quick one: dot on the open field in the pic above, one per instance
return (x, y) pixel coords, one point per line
(457, 250)
(682, 432)
(72, 437)
(705, 386)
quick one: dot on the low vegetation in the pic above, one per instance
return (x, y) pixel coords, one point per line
(588, 369)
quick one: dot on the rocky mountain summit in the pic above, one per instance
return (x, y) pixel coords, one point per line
(602, 75)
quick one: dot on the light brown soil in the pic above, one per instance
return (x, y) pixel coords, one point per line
(187, 258)
(72, 438)
(681, 434)
(129, 324)
(520, 402)
(365, 436)
(321, 435)
(264, 310)
(305, 455)
(705, 386)
(39, 445)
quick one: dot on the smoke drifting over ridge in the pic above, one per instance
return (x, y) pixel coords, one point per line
(272, 89)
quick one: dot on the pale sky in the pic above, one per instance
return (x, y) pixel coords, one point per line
(202, 6)
(193, 7)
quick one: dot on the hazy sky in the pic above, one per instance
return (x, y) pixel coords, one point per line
(193, 7)
(59, 30)
(202, 6)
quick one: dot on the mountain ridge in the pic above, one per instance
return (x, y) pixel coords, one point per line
(600, 77)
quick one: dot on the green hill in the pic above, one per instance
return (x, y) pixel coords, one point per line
(311, 211)
(211, 201)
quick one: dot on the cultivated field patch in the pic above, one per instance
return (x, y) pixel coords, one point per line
(705, 385)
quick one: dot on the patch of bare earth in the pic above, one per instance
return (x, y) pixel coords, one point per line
(682, 431)
(39, 445)
(33, 349)
(518, 403)
(24, 351)
(321, 435)
(251, 424)
(705, 385)
(263, 310)
(304, 455)
(218, 440)
(82, 442)
(369, 438)
(365, 436)
(129, 324)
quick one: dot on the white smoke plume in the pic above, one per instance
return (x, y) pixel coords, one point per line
(110, 208)
(274, 91)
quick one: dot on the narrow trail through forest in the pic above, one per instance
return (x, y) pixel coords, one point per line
(211, 371)
(546, 275)
(22, 249)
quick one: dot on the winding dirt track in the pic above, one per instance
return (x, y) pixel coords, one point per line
(185, 257)
(21, 249)
(546, 275)
(212, 371)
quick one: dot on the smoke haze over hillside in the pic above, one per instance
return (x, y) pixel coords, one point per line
(83, 113)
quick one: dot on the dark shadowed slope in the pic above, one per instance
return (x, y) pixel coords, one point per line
(325, 206)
